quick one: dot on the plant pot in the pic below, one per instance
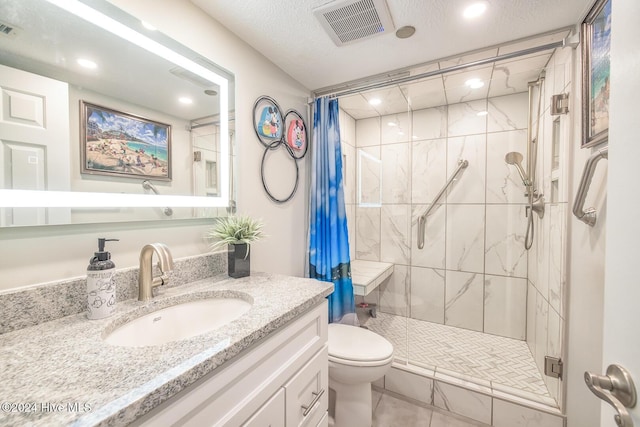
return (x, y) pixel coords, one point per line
(239, 261)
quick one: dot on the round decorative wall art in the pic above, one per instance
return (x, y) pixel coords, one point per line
(275, 130)
(273, 145)
(267, 120)
(296, 136)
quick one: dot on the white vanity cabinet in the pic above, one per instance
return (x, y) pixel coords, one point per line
(270, 414)
(280, 381)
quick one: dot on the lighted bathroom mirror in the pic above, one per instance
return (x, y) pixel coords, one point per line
(159, 145)
(369, 180)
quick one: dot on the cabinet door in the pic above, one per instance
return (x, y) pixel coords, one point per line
(307, 393)
(324, 421)
(271, 414)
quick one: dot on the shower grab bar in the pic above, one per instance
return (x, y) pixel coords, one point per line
(147, 185)
(588, 216)
(422, 219)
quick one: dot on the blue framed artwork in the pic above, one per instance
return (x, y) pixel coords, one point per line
(596, 69)
(121, 144)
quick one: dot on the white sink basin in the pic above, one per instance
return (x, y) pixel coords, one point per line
(178, 322)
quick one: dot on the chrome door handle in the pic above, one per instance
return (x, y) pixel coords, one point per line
(617, 389)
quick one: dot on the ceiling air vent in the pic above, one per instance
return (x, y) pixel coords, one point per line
(8, 30)
(353, 20)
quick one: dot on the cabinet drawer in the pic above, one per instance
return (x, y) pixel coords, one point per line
(307, 393)
(324, 421)
(271, 414)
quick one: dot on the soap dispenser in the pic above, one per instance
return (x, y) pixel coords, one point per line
(101, 287)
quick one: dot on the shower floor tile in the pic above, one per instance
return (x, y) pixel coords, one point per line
(501, 360)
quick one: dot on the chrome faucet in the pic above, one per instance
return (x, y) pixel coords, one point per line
(146, 281)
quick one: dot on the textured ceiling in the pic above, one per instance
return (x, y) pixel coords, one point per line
(287, 32)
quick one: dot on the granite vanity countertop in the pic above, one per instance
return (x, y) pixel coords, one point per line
(62, 372)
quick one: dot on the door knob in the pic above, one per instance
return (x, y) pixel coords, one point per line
(617, 389)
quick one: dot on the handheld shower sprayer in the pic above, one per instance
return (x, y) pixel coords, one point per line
(536, 201)
(514, 158)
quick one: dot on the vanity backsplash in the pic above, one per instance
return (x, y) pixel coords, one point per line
(48, 301)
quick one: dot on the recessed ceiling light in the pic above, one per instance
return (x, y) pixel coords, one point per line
(148, 26)
(86, 63)
(482, 113)
(392, 124)
(185, 100)
(474, 10)
(474, 83)
(405, 32)
(375, 101)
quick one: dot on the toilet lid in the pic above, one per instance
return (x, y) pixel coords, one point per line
(358, 344)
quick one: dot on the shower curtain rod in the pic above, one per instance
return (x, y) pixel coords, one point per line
(562, 43)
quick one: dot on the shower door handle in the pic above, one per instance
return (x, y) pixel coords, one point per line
(617, 389)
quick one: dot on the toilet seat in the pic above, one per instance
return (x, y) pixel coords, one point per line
(354, 346)
(359, 363)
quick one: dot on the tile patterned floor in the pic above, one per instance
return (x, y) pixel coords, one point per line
(389, 411)
(487, 357)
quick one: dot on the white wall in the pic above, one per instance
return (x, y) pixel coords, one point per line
(591, 303)
(36, 255)
(585, 277)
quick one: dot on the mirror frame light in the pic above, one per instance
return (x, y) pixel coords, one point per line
(78, 199)
(33, 198)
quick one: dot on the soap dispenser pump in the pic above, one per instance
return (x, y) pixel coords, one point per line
(101, 287)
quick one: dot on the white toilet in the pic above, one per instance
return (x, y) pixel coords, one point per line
(357, 357)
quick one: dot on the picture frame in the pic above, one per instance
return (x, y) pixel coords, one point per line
(267, 120)
(296, 136)
(596, 47)
(114, 143)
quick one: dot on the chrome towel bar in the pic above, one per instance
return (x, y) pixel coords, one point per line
(422, 220)
(588, 216)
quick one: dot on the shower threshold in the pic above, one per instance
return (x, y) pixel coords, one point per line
(497, 366)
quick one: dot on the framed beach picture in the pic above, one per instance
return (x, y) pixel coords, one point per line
(121, 144)
(596, 47)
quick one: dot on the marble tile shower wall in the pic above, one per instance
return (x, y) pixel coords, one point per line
(349, 166)
(548, 255)
(472, 272)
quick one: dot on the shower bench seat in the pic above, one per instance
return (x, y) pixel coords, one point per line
(367, 275)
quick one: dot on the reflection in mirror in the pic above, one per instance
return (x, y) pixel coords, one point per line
(369, 180)
(53, 58)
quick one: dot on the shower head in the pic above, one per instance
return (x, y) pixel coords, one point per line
(514, 158)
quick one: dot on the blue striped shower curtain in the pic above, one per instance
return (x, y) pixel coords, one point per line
(329, 259)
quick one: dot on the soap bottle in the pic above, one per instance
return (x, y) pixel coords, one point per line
(101, 287)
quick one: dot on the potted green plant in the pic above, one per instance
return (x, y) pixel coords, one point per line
(237, 232)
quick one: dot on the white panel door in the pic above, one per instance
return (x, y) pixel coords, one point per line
(34, 142)
(621, 341)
